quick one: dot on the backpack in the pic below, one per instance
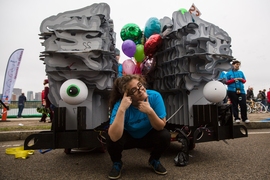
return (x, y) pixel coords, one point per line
(182, 157)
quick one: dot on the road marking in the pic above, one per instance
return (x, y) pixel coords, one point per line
(13, 145)
(258, 132)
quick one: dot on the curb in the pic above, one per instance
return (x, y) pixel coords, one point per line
(258, 125)
(16, 135)
(22, 135)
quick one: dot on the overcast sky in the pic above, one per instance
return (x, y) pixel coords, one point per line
(246, 22)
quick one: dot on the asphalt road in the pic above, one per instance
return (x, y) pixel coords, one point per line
(242, 158)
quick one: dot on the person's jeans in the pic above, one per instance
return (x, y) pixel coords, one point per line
(158, 140)
(20, 107)
(268, 106)
(238, 100)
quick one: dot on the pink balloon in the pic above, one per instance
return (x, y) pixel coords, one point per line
(129, 48)
(128, 66)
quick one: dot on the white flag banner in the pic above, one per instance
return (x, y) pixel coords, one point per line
(194, 10)
(11, 74)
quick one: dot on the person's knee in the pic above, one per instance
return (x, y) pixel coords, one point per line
(165, 136)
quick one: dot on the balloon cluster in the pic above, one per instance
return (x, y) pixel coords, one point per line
(140, 46)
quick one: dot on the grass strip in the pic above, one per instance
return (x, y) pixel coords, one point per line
(24, 128)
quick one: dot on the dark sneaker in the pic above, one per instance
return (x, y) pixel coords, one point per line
(157, 166)
(115, 173)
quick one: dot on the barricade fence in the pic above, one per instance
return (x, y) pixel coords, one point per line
(30, 109)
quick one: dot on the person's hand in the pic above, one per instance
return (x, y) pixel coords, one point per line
(126, 101)
(144, 106)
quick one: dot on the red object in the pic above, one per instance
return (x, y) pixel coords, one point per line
(4, 114)
(152, 45)
(42, 95)
(138, 68)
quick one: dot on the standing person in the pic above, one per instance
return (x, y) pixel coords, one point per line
(138, 118)
(264, 101)
(120, 68)
(259, 96)
(268, 100)
(21, 101)
(46, 102)
(236, 92)
(250, 94)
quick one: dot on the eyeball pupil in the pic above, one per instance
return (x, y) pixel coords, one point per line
(73, 90)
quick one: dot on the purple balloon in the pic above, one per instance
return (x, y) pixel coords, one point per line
(129, 48)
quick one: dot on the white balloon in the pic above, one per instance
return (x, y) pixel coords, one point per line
(214, 91)
(73, 91)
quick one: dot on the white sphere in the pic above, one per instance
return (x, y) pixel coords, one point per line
(73, 91)
(214, 91)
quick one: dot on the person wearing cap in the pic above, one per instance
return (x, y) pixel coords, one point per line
(236, 91)
(46, 102)
(120, 68)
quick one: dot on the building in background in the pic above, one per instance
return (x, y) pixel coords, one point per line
(16, 93)
(30, 96)
(38, 96)
(14, 97)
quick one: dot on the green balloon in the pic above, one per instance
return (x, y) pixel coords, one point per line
(131, 31)
(139, 54)
(183, 10)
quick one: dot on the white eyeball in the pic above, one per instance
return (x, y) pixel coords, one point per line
(214, 91)
(73, 91)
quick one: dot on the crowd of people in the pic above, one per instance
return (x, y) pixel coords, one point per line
(262, 96)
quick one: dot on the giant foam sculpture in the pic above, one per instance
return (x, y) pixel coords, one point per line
(193, 53)
(79, 44)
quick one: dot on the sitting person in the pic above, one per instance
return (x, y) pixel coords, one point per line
(138, 118)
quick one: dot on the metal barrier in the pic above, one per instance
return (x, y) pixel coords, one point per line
(30, 109)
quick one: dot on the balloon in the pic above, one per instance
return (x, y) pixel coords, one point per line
(128, 66)
(152, 26)
(129, 48)
(131, 31)
(139, 54)
(138, 68)
(183, 10)
(152, 45)
(214, 91)
(148, 65)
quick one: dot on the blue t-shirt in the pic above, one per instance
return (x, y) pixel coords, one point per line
(120, 70)
(238, 84)
(137, 123)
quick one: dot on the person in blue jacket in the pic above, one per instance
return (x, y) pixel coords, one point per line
(236, 91)
(138, 118)
(120, 67)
